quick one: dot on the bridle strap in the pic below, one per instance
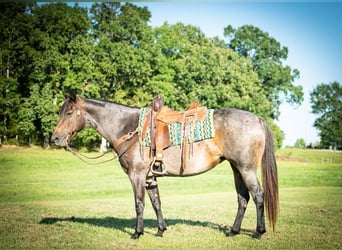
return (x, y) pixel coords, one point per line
(117, 143)
(125, 137)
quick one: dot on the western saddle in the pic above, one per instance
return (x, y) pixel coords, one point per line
(158, 120)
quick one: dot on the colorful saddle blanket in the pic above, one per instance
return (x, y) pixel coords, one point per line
(194, 131)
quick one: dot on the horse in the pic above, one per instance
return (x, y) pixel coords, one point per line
(241, 138)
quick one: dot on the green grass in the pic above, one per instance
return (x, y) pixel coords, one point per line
(49, 199)
(314, 156)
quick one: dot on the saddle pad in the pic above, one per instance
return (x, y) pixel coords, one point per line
(194, 131)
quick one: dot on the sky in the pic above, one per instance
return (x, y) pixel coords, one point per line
(312, 32)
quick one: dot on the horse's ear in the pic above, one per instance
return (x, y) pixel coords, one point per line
(71, 97)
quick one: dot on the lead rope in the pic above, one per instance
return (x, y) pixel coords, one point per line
(80, 156)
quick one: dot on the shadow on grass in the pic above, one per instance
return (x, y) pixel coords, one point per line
(122, 224)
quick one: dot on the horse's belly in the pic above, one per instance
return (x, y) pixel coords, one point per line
(196, 159)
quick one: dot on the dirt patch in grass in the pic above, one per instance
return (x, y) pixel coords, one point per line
(289, 158)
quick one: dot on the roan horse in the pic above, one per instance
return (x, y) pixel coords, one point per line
(241, 138)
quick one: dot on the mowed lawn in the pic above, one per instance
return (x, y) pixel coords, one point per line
(50, 199)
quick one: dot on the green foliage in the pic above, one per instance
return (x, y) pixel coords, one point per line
(113, 53)
(300, 143)
(14, 64)
(267, 56)
(326, 101)
(278, 135)
(88, 137)
(9, 103)
(56, 30)
(195, 68)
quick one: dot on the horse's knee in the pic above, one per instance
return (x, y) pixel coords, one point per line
(258, 197)
(156, 202)
(243, 199)
(139, 206)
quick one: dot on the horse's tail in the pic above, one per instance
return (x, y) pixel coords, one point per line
(270, 178)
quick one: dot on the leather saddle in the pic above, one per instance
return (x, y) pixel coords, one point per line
(159, 119)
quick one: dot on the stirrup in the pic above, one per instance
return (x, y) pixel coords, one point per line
(162, 166)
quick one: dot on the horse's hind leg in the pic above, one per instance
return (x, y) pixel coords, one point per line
(153, 193)
(244, 184)
(243, 198)
(258, 197)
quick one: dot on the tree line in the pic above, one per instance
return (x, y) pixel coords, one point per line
(111, 52)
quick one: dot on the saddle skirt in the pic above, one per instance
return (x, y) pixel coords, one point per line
(193, 125)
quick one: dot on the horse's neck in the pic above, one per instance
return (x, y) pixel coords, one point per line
(111, 120)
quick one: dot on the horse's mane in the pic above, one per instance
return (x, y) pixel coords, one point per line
(97, 102)
(102, 103)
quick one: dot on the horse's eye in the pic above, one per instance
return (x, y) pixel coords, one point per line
(69, 113)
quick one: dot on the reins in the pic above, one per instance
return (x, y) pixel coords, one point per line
(122, 139)
(81, 156)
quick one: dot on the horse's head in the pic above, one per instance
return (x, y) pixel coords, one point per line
(71, 121)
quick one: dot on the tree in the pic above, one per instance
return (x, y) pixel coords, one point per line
(112, 53)
(15, 63)
(267, 56)
(326, 101)
(55, 27)
(300, 143)
(193, 67)
(123, 51)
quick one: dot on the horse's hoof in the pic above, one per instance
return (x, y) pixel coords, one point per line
(136, 235)
(160, 232)
(232, 233)
(257, 235)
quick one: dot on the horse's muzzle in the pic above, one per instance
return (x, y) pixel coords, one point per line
(61, 141)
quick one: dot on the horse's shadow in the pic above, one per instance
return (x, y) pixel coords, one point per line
(122, 223)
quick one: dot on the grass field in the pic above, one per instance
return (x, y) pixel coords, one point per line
(49, 199)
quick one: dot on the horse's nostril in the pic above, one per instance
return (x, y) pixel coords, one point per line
(54, 138)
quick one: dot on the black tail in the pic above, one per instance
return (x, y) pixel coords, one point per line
(270, 178)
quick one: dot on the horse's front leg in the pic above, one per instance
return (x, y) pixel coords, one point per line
(138, 183)
(153, 192)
